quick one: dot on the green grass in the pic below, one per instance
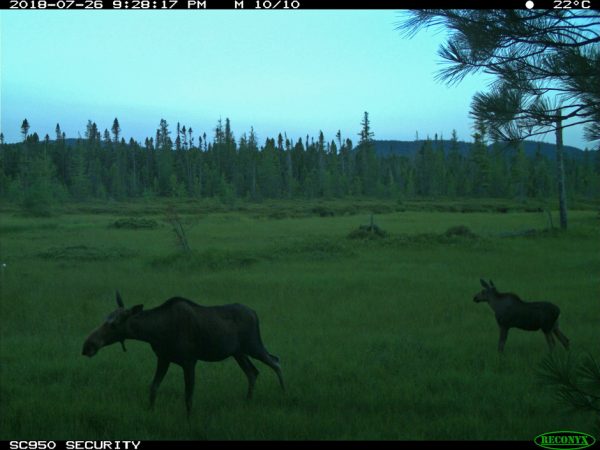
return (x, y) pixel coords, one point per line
(378, 339)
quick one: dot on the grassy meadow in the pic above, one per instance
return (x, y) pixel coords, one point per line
(378, 338)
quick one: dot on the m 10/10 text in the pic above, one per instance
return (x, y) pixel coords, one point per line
(277, 4)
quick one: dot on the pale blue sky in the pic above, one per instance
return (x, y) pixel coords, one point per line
(280, 71)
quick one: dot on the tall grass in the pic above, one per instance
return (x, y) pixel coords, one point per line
(378, 339)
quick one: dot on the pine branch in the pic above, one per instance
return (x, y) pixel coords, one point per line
(559, 373)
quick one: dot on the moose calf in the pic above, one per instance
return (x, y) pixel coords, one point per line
(512, 312)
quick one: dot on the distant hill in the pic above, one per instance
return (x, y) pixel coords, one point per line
(410, 148)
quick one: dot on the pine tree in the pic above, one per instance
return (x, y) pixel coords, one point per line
(184, 136)
(80, 183)
(480, 163)
(269, 172)
(116, 130)
(107, 139)
(519, 174)
(253, 148)
(438, 185)
(366, 160)
(25, 129)
(91, 132)
(39, 188)
(454, 179)
(116, 187)
(540, 184)
(164, 160)
(366, 135)
(178, 138)
(424, 165)
(499, 171)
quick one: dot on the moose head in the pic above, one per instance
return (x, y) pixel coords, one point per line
(114, 329)
(488, 291)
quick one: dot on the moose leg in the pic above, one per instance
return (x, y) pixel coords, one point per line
(250, 370)
(277, 368)
(550, 340)
(273, 362)
(189, 375)
(503, 336)
(161, 370)
(561, 337)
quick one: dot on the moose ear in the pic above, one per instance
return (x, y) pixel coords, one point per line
(137, 309)
(120, 301)
(492, 284)
(484, 284)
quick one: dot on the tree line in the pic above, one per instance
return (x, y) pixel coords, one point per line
(177, 163)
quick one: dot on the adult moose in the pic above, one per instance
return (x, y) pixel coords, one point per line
(182, 332)
(512, 312)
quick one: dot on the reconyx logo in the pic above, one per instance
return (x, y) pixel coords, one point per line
(559, 440)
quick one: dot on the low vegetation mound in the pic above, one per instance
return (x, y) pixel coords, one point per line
(460, 231)
(84, 253)
(370, 231)
(313, 248)
(208, 260)
(459, 234)
(135, 223)
(367, 232)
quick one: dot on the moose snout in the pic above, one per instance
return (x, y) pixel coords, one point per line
(89, 349)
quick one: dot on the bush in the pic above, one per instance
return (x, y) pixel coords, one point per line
(36, 204)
